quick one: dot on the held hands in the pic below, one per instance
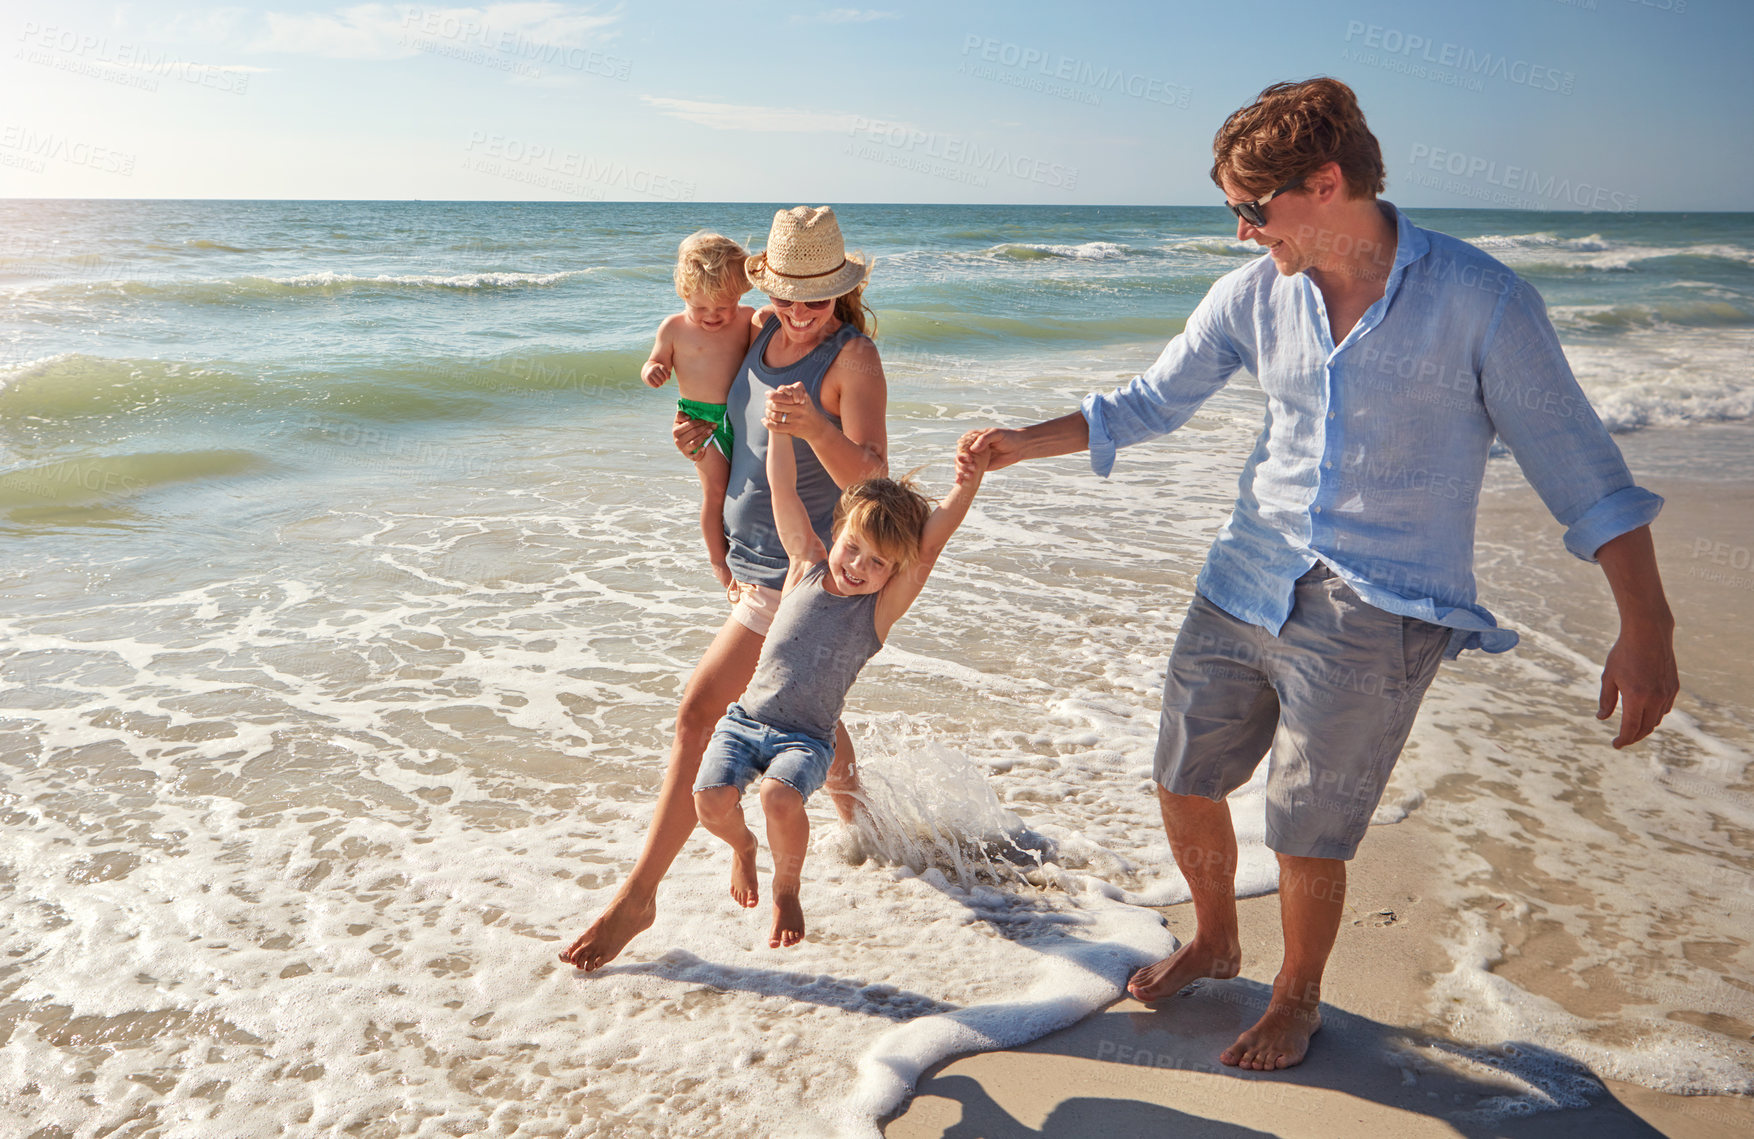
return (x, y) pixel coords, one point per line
(970, 463)
(998, 447)
(654, 374)
(791, 412)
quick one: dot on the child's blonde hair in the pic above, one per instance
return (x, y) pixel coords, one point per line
(710, 265)
(890, 514)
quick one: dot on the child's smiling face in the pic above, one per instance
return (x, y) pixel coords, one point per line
(710, 314)
(857, 566)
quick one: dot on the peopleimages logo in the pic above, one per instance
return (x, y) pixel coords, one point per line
(1062, 75)
(564, 171)
(423, 30)
(128, 64)
(36, 146)
(1510, 184)
(952, 156)
(1410, 48)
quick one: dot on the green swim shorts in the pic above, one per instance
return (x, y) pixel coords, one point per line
(713, 413)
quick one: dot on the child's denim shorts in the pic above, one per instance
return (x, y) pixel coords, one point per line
(743, 748)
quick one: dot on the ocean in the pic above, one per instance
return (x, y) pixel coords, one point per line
(352, 582)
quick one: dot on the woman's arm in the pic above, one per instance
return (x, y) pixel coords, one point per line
(859, 447)
(789, 516)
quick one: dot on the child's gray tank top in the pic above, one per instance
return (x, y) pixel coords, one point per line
(812, 655)
(756, 553)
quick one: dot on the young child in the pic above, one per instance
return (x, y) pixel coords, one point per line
(835, 610)
(703, 345)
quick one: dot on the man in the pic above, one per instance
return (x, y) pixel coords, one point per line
(1390, 357)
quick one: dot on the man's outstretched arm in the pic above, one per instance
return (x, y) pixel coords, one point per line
(1640, 672)
(1197, 362)
(1066, 435)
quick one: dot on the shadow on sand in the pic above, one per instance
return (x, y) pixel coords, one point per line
(831, 992)
(1116, 1092)
(1115, 1087)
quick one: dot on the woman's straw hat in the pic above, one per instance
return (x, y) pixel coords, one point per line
(805, 258)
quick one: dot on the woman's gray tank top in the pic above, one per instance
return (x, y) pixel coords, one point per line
(756, 553)
(812, 655)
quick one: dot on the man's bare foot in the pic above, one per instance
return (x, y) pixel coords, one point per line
(609, 934)
(745, 886)
(788, 921)
(1279, 1039)
(1198, 958)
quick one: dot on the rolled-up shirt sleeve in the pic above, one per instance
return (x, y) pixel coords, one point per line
(1191, 367)
(1542, 415)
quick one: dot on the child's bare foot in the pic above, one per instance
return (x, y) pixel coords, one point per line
(625, 918)
(788, 921)
(722, 573)
(745, 887)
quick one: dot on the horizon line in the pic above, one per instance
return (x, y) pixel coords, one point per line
(776, 201)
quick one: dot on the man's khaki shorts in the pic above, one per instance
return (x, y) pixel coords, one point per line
(1333, 695)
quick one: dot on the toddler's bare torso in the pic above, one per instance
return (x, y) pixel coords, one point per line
(704, 363)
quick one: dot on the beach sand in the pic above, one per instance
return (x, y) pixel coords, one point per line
(1131, 1070)
(1384, 1062)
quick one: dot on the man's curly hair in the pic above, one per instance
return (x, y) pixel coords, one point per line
(1292, 129)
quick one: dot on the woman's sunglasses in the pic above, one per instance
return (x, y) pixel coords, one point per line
(1251, 211)
(813, 306)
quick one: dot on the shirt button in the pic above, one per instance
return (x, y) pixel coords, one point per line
(1329, 464)
(1330, 415)
(1318, 510)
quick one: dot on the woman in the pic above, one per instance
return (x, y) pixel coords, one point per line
(814, 334)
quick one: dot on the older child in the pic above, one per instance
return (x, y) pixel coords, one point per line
(703, 345)
(835, 610)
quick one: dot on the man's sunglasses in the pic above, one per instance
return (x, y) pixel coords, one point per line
(813, 306)
(1251, 211)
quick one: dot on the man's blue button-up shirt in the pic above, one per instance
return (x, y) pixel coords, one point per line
(1373, 450)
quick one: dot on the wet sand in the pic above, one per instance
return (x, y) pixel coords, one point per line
(1134, 1070)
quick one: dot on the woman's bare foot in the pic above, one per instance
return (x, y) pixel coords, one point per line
(1280, 1039)
(788, 921)
(745, 886)
(609, 934)
(1198, 958)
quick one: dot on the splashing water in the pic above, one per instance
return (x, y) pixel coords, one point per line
(927, 806)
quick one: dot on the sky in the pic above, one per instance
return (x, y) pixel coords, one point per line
(1611, 105)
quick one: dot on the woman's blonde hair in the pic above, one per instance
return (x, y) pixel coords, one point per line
(890, 514)
(710, 265)
(851, 307)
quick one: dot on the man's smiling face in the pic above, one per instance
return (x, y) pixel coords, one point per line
(1288, 216)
